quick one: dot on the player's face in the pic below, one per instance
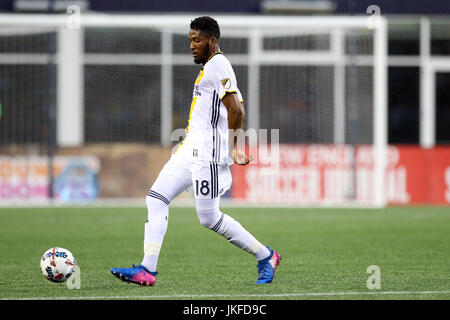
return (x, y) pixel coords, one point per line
(200, 46)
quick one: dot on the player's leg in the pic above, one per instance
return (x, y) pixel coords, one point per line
(212, 218)
(172, 180)
(209, 184)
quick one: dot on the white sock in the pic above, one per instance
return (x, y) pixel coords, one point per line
(155, 229)
(211, 217)
(235, 233)
(262, 253)
(152, 247)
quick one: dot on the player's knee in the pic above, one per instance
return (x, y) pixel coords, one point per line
(208, 218)
(208, 211)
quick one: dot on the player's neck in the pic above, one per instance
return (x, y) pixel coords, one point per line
(216, 51)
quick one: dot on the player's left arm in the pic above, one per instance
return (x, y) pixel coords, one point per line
(236, 118)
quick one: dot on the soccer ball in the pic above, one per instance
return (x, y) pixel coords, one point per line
(58, 264)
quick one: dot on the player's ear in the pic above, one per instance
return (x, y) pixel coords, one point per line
(212, 41)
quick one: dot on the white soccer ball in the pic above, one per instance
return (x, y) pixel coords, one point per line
(58, 264)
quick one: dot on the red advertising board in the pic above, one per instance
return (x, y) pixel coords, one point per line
(439, 179)
(326, 174)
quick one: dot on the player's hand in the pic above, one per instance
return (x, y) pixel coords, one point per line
(240, 158)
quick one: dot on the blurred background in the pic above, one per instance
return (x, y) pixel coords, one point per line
(92, 94)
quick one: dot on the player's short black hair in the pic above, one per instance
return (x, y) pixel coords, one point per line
(207, 25)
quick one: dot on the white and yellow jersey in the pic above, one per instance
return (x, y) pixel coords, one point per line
(207, 131)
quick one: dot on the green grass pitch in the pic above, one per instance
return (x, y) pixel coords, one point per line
(325, 253)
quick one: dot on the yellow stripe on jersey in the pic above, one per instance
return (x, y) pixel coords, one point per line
(199, 77)
(197, 81)
(194, 100)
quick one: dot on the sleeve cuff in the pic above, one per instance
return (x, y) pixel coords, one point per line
(225, 93)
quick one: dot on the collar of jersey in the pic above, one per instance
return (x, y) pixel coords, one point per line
(215, 53)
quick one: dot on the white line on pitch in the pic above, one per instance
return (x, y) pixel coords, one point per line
(316, 294)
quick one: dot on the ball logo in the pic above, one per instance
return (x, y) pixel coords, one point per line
(52, 276)
(49, 272)
(56, 254)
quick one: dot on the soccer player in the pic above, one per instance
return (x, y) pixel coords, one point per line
(202, 161)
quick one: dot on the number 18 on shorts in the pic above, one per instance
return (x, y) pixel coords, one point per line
(210, 181)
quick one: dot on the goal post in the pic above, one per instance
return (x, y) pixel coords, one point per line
(380, 111)
(294, 72)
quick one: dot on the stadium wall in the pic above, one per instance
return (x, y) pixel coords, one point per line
(25, 178)
(307, 174)
(321, 174)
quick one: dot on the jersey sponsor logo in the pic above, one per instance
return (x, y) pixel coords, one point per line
(197, 90)
(226, 83)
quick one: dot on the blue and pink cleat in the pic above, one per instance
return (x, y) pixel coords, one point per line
(267, 267)
(137, 274)
(142, 276)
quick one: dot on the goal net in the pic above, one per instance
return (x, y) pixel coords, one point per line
(103, 105)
